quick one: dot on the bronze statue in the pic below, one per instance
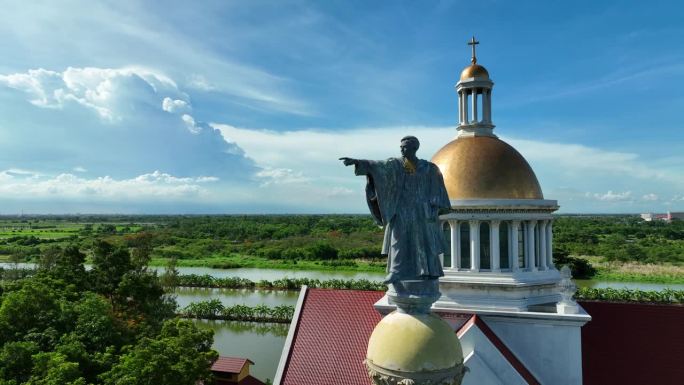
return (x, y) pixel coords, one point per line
(405, 196)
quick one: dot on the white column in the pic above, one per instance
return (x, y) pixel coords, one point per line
(549, 245)
(530, 254)
(474, 104)
(513, 244)
(465, 106)
(474, 245)
(489, 105)
(485, 105)
(460, 107)
(494, 246)
(542, 245)
(455, 245)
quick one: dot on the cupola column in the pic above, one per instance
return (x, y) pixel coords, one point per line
(487, 106)
(494, 246)
(549, 244)
(474, 245)
(513, 245)
(529, 253)
(474, 105)
(542, 245)
(464, 106)
(455, 245)
(460, 107)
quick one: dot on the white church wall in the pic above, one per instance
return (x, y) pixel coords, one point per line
(550, 349)
(486, 364)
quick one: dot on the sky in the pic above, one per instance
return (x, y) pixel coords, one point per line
(246, 106)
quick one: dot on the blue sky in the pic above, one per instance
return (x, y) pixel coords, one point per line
(244, 107)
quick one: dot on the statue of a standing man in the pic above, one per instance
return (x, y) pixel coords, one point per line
(405, 195)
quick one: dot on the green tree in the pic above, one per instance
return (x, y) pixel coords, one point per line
(16, 362)
(180, 355)
(51, 368)
(33, 313)
(109, 266)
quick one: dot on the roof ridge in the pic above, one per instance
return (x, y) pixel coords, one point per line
(500, 346)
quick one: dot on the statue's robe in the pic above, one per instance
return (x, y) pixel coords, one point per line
(407, 206)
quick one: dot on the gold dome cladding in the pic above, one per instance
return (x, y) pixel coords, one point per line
(484, 167)
(474, 71)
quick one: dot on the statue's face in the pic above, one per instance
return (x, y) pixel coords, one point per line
(408, 148)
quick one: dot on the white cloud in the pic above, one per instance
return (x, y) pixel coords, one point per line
(314, 154)
(175, 105)
(109, 121)
(79, 169)
(191, 124)
(155, 185)
(611, 196)
(107, 91)
(200, 82)
(269, 176)
(650, 197)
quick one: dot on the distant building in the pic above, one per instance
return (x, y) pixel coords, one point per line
(667, 217)
(233, 371)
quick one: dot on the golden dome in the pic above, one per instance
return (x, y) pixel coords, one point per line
(474, 71)
(485, 167)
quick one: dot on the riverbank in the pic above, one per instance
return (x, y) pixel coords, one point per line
(248, 261)
(635, 272)
(606, 271)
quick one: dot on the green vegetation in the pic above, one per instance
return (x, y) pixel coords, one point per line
(194, 280)
(666, 296)
(110, 325)
(607, 247)
(621, 238)
(214, 310)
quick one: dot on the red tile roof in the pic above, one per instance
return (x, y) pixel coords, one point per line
(249, 380)
(633, 344)
(622, 344)
(229, 364)
(332, 337)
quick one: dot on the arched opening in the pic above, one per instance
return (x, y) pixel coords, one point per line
(522, 242)
(503, 246)
(464, 228)
(446, 234)
(485, 247)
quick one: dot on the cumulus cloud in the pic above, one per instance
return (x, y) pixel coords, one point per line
(650, 197)
(314, 154)
(102, 90)
(611, 196)
(269, 176)
(110, 121)
(155, 185)
(175, 105)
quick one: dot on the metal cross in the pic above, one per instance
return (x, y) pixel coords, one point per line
(472, 43)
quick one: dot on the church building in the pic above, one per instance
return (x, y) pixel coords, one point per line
(509, 305)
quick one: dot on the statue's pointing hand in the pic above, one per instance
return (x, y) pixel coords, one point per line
(348, 161)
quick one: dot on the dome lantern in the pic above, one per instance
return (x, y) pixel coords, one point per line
(474, 90)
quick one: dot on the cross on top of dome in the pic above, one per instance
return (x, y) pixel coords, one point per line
(473, 43)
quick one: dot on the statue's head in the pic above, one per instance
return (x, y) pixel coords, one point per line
(409, 146)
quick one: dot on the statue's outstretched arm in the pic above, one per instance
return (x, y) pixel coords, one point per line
(349, 161)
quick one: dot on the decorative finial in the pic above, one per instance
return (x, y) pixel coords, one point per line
(472, 43)
(567, 305)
